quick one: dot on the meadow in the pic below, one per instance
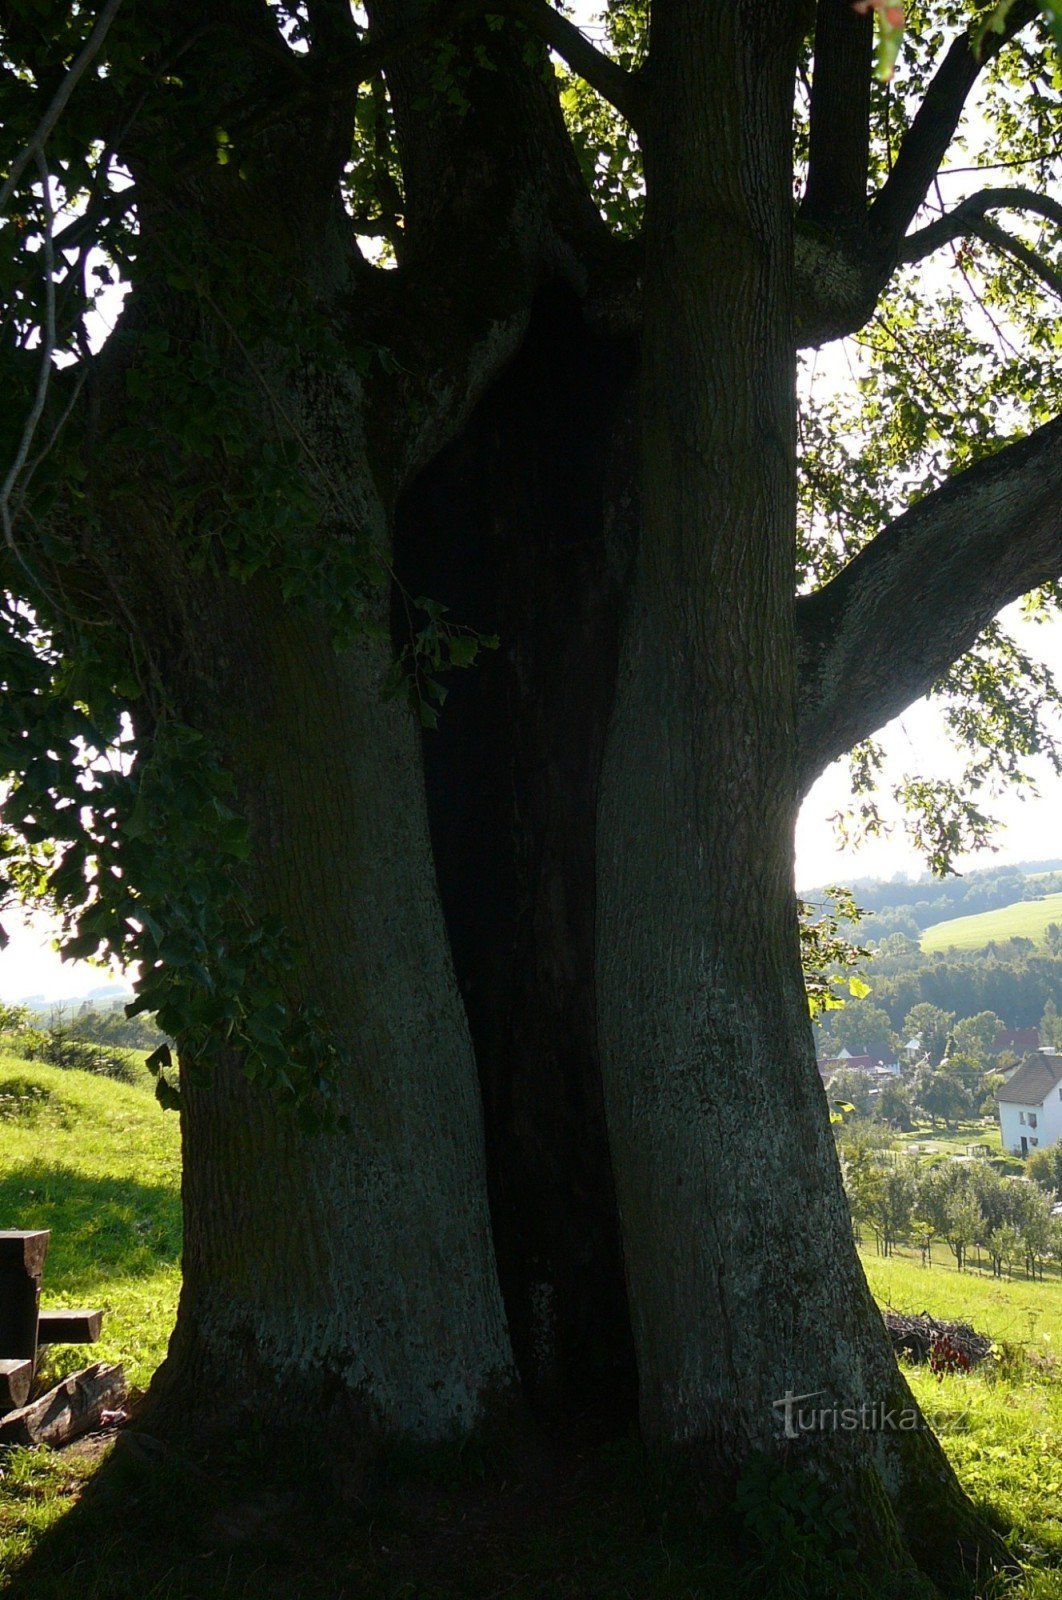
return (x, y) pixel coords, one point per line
(1025, 919)
(98, 1162)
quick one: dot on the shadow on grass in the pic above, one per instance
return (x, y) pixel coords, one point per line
(156, 1526)
(108, 1228)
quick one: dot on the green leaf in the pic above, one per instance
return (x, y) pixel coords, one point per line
(167, 1095)
(159, 1060)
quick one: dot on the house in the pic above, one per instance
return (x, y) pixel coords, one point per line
(1016, 1041)
(1030, 1105)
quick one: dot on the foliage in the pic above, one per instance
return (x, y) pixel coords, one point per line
(903, 1199)
(59, 1046)
(827, 956)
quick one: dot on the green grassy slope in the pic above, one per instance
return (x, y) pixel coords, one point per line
(98, 1162)
(1025, 919)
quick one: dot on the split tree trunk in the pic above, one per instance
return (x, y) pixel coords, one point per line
(509, 528)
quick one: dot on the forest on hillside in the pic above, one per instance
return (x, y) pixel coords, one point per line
(1016, 979)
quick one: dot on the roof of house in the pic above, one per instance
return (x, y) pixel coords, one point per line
(1033, 1081)
(1017, 1039)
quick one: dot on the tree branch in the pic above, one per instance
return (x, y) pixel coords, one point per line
(622, 89)
(887, 627)
(968, 219)
(58, 105)
(839, 151)
(931, 132)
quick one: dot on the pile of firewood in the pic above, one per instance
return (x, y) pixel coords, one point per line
(918, 1337)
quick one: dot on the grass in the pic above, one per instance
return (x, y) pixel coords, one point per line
(952, 1141)
(1001, 1425)
(1025, 919)
(98, 1163)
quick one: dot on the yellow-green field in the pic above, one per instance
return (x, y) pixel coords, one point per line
(1024, 919)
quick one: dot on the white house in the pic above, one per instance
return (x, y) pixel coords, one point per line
(1030, 1105)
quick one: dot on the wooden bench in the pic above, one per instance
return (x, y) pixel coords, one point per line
(24, 1328)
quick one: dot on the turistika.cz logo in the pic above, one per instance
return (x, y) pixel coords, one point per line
(798, 1416)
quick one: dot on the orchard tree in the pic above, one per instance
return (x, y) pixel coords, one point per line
(425, 615)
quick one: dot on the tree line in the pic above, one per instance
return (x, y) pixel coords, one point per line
(962, 1205)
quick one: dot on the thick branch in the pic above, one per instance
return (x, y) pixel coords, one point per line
(838, 157)
(887, 627)
(933, 128)
(622, 89)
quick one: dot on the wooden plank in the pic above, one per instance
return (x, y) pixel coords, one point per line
(20, 1293)
(73, 1407)
(15, 1379)
(68, 1327)
(24, 1248)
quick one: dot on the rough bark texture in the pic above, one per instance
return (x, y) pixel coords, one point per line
(988, 536)
(358, 1264)
(738, 1248)
(376, 1261)
(611, 796)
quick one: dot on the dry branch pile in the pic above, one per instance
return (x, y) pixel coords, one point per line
(915, 1337)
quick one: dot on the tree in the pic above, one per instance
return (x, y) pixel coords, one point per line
(472, 1027)
(861, 1028)
(941, 1095)
(974, 1036)
(851, 1088)
(932, 1026)
(894, 1105)
(1051, 1025)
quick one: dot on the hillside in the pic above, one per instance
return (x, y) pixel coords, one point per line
(1022, 919)
(98, 1162)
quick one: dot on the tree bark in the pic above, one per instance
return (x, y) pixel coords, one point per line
(351, 1269)
(736, 1232)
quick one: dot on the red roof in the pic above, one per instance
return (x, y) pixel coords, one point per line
(1017, 1039)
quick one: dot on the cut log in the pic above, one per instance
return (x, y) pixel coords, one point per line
(15, 1379)
(68, 1327)
(71, 1408)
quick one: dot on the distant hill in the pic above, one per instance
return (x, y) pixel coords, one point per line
(1022, 919)
(913, 906)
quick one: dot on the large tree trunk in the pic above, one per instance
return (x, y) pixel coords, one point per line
(744, 1282)
(351, 1269)
(336, 1275)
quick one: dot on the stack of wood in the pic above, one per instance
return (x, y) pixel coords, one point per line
(914, 1337)
(82, 1401)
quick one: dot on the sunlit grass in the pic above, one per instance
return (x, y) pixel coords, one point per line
(98, 1163)
(1024, 919)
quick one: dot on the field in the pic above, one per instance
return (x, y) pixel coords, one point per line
(98, 1163)
(1025, 919)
